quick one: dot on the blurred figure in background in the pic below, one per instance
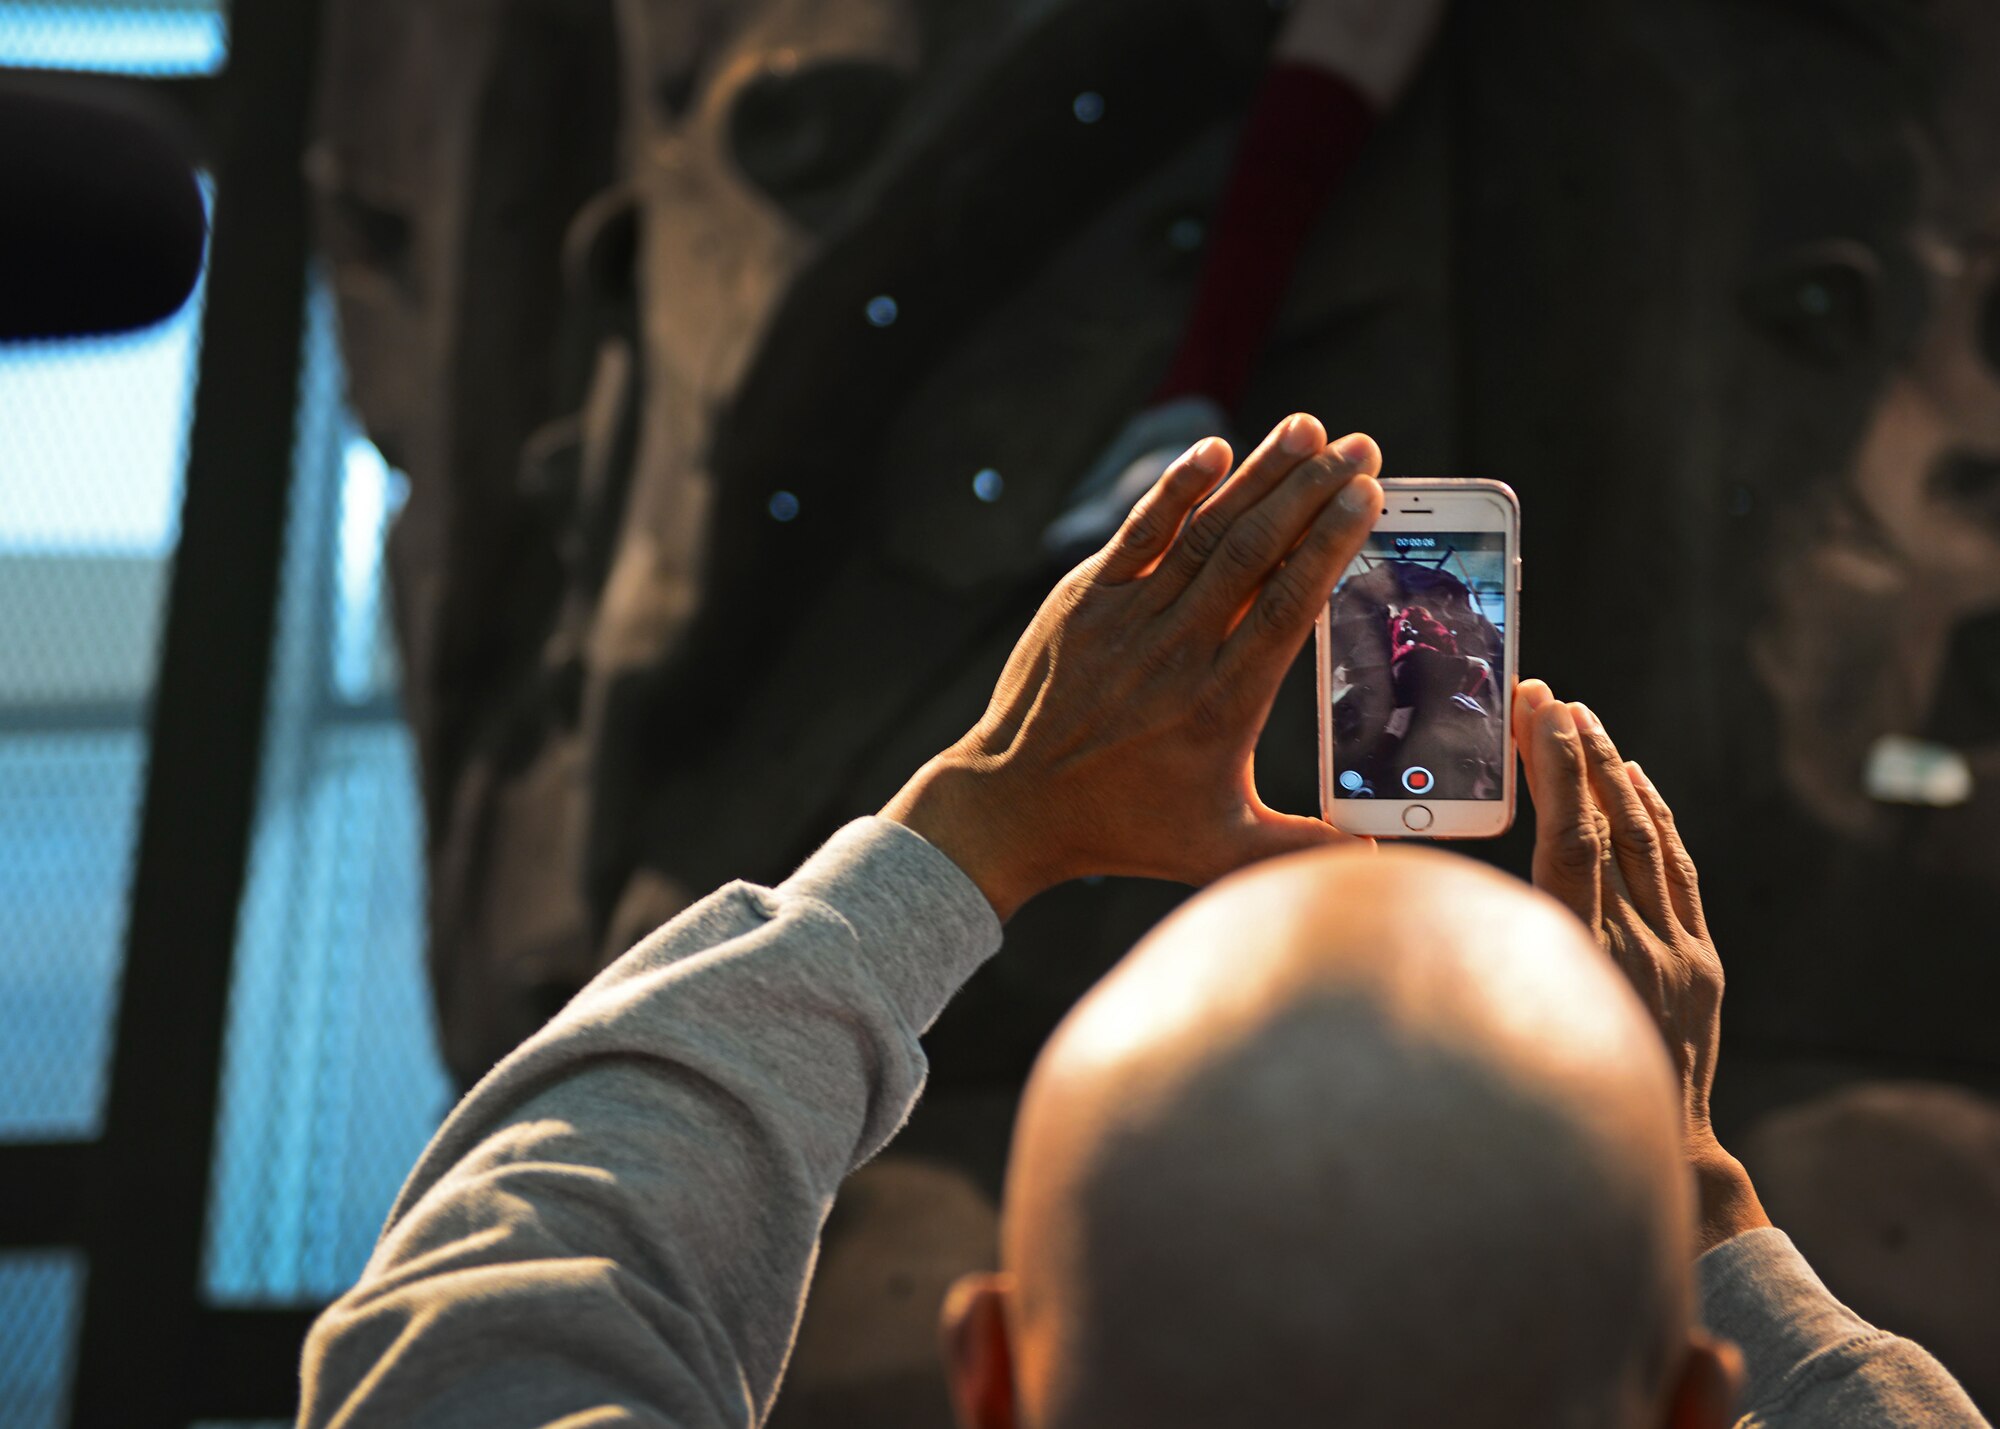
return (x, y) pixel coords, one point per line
(1892, 1190)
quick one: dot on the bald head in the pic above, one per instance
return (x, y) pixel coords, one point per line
(1351, 1140)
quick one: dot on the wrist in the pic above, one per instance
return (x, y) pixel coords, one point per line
(1727, 1201)
(963, 807)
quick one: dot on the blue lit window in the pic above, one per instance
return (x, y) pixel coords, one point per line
(332, 1081)
(41, 1300)
(93, 438)
(152, 38)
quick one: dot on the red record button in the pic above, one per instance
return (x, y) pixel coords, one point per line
(1418, 780)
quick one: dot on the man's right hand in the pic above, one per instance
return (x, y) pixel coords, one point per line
(1606, 845)
(1122, 736)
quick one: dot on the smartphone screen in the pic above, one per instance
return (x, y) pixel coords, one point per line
(1417, 652)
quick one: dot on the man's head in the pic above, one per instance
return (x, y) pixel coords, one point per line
(1347, 1140)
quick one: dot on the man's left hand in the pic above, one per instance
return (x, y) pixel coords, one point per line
(1607, 846)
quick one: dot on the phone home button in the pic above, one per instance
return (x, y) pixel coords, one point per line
(1417, 818)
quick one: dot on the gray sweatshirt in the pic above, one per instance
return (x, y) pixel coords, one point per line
(618, 1225)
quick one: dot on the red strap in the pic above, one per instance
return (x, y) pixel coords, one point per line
(1305, 128)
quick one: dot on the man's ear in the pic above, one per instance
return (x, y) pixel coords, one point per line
(978, 1356)
(1711, 1377)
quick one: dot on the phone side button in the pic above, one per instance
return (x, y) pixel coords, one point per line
(1417, 818)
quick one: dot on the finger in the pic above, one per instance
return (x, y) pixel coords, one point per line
(1535, 694)
(1568, 846)
(1682, 883)
(1529, 697)
(1150, 527)
(1291, 442)
(1635, 843)
(1254, 659)
(1263, 538)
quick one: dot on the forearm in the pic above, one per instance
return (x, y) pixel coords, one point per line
(625, 1213)
(1808, 1359)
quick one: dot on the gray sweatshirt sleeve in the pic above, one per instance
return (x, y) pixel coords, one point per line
(1809, 1360)
(617, 1226)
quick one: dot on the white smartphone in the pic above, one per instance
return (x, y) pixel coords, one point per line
(1417, 667)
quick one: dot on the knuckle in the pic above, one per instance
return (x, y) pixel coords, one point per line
(1640, 839)
(1245, 549)
(1334, 527)
(1698, 988)
(1189, 479)
(1074, 589)
(1568, 749)
(1142, 531)
(1280, 608)
(1321, 548)
(1202, 539)
(1576, 848)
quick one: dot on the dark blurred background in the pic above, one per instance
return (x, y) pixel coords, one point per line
(612, 445)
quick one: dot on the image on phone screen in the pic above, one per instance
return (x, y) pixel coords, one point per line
(1417, 636)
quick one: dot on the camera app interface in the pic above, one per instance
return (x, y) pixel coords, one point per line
(1418, 655)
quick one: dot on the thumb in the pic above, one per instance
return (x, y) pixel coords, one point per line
(1273, 835)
